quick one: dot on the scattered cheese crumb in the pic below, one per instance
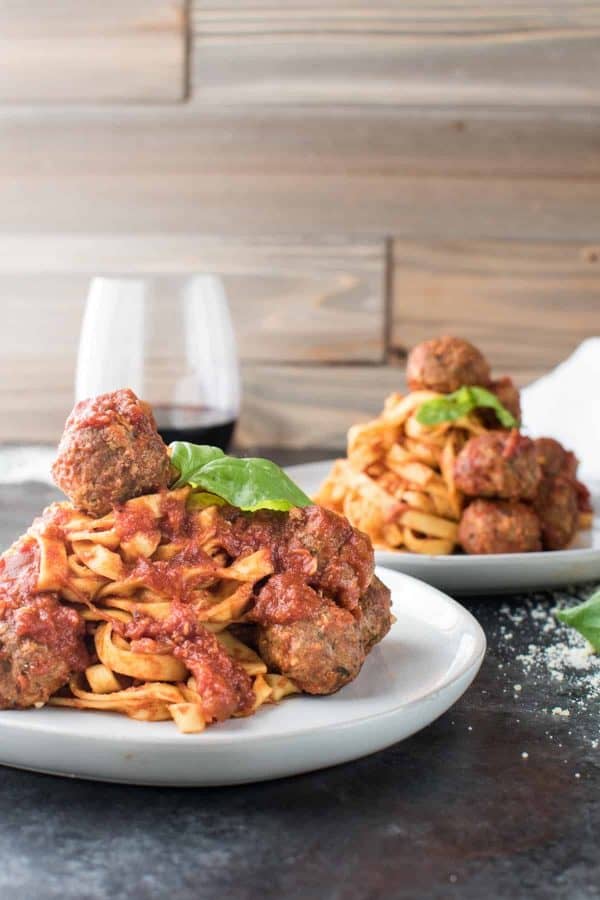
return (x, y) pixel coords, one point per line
(555, 655)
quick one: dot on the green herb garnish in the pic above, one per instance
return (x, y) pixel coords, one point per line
(248, 484)
(585, 618)
(455, 406)
(190, 458)
(202, 499)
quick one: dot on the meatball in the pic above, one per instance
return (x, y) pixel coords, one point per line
(498, 464)
(110, 451)
(41, 646)
(499, 526)
(554, 459)
(284, 599)
(307, 637)
(313, 541)
(320, 654)
(343, 555)
(322, 610)
(556, 504)
(445, 364)
(508, 395)
(376, 618)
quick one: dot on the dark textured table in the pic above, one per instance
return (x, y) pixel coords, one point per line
(498, 798)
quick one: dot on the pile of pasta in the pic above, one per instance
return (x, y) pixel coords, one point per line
(397, 482)
(85, 561)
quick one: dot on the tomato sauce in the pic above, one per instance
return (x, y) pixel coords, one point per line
(19, 573)
(318, 546)
(286, 598)
(133, 519)
(46, 621)
(225, 687)
(515, 444)
(99, 412)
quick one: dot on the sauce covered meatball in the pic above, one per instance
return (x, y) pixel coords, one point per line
(41, 640)
(313, 542)
(110, 451)
(445, 364)
(41, 646)
(321, 654)
(556, 504)
(554, 459)
(499, 526)
(375, 619)
(321, 612)
(318, 644)
(498, 464)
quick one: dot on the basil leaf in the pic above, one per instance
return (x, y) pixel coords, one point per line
(249, 484)
(201, 499)
(190, 458)
(585, 618)
(452, 407)
(484, 398)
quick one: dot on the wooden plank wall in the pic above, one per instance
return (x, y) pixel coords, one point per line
(68, 51)
(362, 176)
(526, 304)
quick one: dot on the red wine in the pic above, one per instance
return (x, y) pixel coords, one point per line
(196, 424)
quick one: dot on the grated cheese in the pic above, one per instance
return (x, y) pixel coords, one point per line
(555, 653)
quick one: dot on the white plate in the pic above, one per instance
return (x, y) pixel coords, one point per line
(489, 574)
(420, 669)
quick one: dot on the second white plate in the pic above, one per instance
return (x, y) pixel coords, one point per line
(501, 573)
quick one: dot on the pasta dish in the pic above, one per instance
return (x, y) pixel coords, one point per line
(150, 593)
(446, 467)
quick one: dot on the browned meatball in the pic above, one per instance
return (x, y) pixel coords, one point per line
(41, 646)
(41, 642)
(445, 364)
(556, 504)
(498, 526)
(110, 451)
(322, 610)
(343, 555)
(320, 654)
(376, 617)
(309, 638)
(508, 394)
(319, 544)
(498, 464)
(554, 459)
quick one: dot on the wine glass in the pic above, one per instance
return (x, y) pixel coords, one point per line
(171, 340)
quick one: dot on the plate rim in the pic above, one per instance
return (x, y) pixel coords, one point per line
(218, 741)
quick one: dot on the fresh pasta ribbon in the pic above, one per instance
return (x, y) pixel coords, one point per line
(132, 564)
(397, 482)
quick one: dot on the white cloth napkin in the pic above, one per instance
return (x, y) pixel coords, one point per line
(565, 404)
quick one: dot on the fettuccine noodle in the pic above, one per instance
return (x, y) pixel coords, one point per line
(397, 483)
(86, 561)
